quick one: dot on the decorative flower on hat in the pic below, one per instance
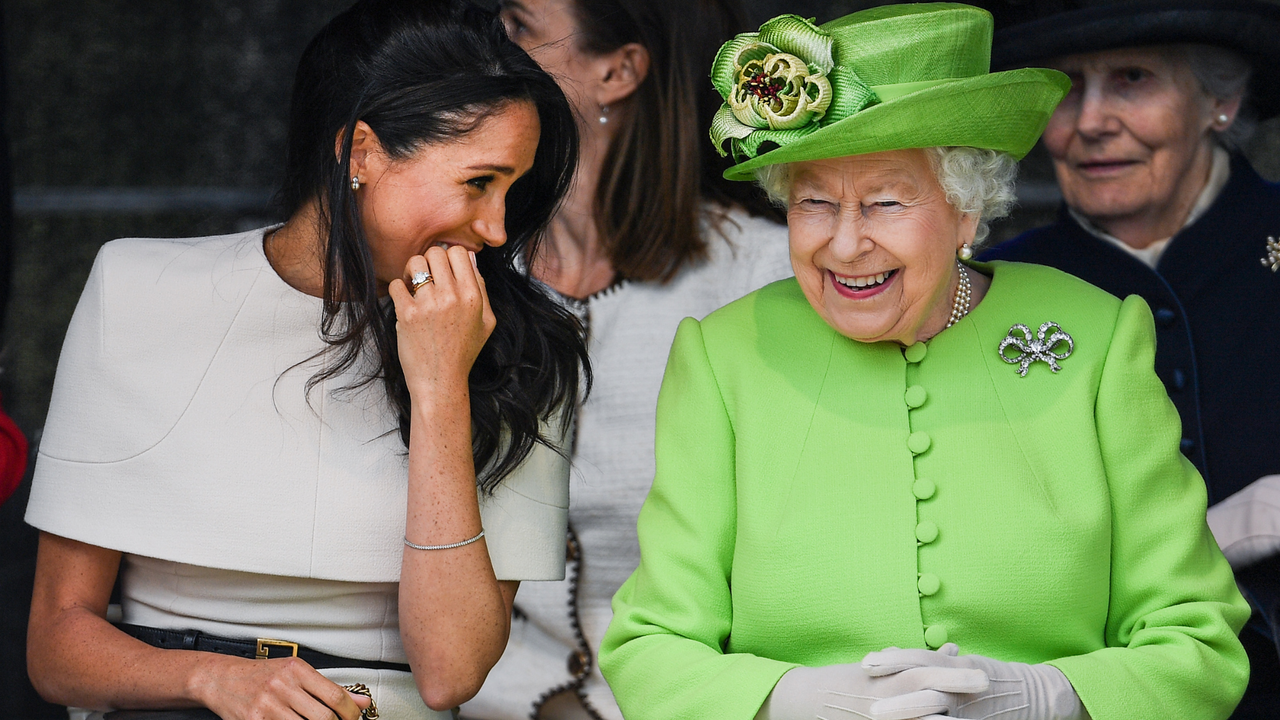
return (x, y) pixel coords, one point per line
(776, 85)
(779, 91)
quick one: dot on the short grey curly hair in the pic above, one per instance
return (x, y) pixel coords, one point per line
(974, 180)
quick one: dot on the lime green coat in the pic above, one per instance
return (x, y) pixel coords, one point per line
(804, 513)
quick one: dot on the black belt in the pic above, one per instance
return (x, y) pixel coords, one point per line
(259, 649)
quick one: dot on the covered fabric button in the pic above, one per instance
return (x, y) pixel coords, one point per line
(926, 532)
(923, 489)
(915, 396)
(935, 635)
(928, 584)
(918, 442)
(915, 353)
(578, 662)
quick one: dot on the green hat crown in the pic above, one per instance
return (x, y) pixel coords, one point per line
(794, 80)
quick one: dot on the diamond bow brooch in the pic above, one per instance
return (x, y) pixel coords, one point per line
(1042, 346)
(1272, 259)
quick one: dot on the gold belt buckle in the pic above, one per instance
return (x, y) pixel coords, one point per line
(265, 645)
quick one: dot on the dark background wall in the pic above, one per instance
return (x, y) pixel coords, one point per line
(167, 119)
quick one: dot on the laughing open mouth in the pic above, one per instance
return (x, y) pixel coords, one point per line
(865, 282)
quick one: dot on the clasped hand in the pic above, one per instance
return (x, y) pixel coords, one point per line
(897, 684)
(285, 688)
(1247, 524)
(441, 328)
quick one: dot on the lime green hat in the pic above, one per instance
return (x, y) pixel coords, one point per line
(888, 78)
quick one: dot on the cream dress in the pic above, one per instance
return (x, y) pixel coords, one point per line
(181, 433)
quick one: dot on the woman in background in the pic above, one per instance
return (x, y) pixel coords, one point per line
(229, 426)
(649, 234)
(1160, 202)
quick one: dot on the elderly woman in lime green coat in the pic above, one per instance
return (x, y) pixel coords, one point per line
(901, 485)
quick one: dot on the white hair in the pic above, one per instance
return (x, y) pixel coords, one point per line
(775, 180)
(975, 181)
(1223, 75)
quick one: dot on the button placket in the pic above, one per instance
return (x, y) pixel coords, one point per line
(923, 489)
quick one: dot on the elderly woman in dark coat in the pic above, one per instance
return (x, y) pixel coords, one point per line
(1159, 202)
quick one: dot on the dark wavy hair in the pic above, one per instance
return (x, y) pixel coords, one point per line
(421, 72)
(660, 167)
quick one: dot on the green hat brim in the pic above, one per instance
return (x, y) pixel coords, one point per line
(1004, 111)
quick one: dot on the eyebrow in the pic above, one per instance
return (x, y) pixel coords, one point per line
(872, 184)
(500, 169)
(514, 4)
(890, 183)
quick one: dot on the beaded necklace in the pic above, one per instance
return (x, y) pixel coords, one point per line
(960, 305)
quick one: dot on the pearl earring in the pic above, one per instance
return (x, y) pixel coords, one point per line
(965, 252)
(604, 114)
(1224, 119)
(355, 182)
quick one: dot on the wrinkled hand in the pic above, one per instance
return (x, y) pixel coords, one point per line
(282, 689)
(1247, 524)
(1017, 691)
(441, 329)
(848, 691)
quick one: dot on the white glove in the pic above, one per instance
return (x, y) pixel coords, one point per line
(1017, 691)
(1247, 524)
(836, 692)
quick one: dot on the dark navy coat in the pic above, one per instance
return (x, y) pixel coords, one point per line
(1217, 313)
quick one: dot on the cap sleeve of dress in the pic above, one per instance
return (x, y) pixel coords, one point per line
(527, 517)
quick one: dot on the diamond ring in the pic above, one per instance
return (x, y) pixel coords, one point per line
(420, 278)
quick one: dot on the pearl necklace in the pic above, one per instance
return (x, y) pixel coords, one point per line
(960, 305)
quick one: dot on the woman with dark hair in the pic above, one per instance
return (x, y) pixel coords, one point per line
(649, 234)
(229, 426)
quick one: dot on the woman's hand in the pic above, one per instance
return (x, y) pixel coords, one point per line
(454, 614)
(441, 329)
(75, 657)
(1017, 691)
(286, 688)
(851, 691)
(1247, 524)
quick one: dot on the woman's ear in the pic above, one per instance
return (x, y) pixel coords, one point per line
(364, 144)
(624, 69)
(1220, 108)
(969, 227)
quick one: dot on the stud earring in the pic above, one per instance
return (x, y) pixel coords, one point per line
(355, 182)
(1224, 119)
(604, 114)
(965, 252)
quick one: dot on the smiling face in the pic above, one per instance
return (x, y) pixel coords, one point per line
(873, 244)
(1131, 143)
(447, 193)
